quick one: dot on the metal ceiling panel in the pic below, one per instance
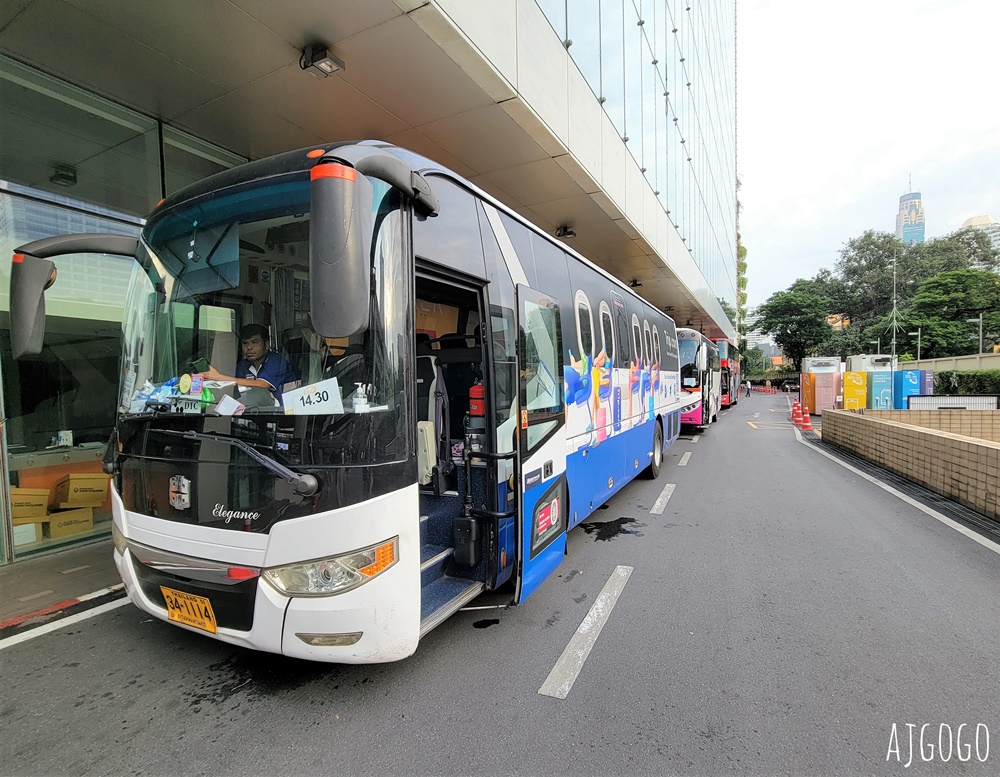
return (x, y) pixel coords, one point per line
(215, 39)
(318, 21)
(485, 139)
(536, 182)
(9, 11)
(289, 109)
(64, 41)
(420, 85)
(417, 142)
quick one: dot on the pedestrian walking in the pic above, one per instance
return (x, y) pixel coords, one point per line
(748, 388)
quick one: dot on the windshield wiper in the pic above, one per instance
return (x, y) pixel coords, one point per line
(304, 485)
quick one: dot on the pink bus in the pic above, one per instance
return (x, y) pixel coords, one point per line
(701, 377)
(729, 356)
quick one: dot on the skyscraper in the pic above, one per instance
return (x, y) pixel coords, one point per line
(985, 224)
(910, 219)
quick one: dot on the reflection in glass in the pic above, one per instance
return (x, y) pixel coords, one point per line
(613, 63)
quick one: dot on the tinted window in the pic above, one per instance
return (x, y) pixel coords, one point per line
(452, 237)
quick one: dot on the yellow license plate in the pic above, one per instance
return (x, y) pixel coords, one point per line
(189, 609)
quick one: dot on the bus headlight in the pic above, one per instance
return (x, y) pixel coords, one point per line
(118, 539)
(336, 574)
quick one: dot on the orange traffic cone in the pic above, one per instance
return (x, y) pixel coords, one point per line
(796, 414)
(806, 422)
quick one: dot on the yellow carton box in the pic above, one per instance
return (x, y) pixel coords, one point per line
(77, 505)
(69, 522)
(83, 488)
(25, 534)
(28, 502)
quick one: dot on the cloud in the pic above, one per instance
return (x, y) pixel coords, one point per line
(838, 105)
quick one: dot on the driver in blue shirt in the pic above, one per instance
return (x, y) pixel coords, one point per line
(260, 367)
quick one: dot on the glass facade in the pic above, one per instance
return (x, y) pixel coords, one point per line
(665, 73)
(72, 162)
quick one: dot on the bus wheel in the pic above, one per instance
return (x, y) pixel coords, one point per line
(652, 472)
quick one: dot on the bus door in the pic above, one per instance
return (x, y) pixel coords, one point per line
(541, 441)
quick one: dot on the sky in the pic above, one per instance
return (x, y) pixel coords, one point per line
(840, 104)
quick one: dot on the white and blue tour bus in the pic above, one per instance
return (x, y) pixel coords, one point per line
(462, 389)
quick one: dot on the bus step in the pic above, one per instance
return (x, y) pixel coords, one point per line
(445, 596)
(423, 529)
(432, 561)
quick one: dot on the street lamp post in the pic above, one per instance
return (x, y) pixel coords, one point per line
(878, 344)
(980, 322)
(917, 333)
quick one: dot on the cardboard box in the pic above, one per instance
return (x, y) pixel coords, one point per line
(77, 505)
(29, 502)
(69, 522)
(83, 488)
(27, 533)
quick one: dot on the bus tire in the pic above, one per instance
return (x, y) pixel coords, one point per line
(652, 472)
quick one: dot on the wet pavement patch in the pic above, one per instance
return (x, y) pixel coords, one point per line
(485, 623)
(608, 530)
(260, 674)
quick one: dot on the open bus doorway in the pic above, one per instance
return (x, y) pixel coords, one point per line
(453, 384)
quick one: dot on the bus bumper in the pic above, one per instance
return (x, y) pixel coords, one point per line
(374, 623)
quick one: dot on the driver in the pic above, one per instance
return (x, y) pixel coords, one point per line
(260, 367)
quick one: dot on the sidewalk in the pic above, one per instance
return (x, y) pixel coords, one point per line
(40, 584)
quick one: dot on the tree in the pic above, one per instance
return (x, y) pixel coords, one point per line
(942, 306)
(865, 269)
(754, 361)
(825, 285)
(962, 250)
(796, 320)
(728, 309)
(843, 342)
(978, 249)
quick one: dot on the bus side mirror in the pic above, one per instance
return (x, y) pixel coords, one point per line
(702, 358)
(340, 244)
(29, 278)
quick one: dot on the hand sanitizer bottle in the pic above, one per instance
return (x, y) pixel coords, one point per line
(360, 400)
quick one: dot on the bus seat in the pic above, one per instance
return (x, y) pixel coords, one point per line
(426, 384)
(462, 367)
(348, 368)
(226, 351)
(301, 347)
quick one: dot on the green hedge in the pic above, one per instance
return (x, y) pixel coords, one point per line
(968, 382)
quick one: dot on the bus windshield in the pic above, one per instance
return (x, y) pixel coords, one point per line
(689, 364)
(219, 298)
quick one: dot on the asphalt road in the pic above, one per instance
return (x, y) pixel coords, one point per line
(782, 616)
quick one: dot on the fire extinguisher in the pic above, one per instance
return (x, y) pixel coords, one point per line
(477, 399)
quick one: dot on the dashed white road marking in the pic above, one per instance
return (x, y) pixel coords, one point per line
(567, 668)
(34, 596)
(74, 569)
(684, 459)
(662, 499)
(695, 440)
